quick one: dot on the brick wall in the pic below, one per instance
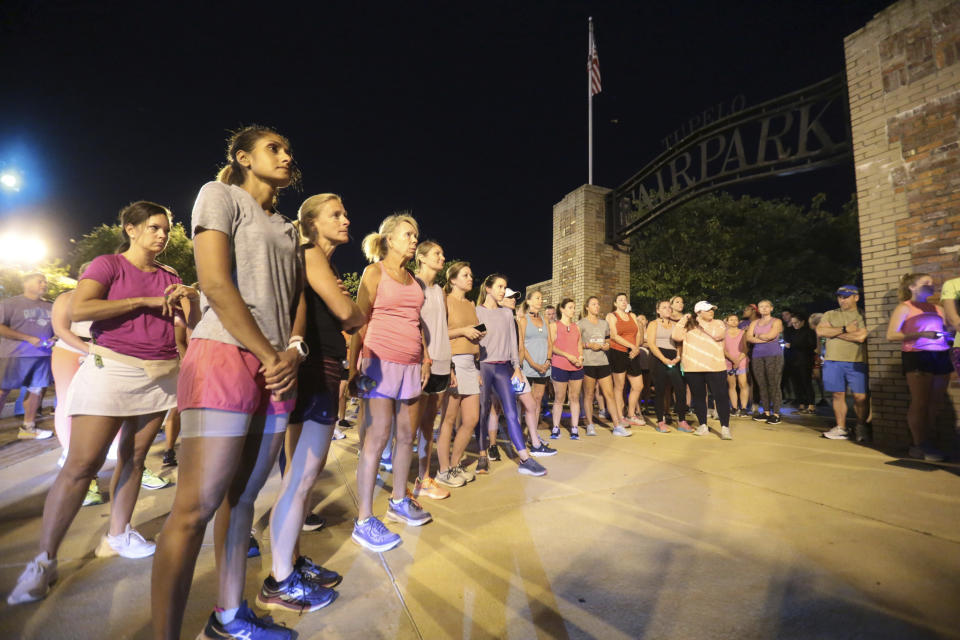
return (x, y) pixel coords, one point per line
(903, 74)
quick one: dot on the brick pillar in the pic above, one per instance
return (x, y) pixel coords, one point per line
(583, 264)
(903, 74)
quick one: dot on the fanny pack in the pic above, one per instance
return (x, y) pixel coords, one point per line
(155, 369)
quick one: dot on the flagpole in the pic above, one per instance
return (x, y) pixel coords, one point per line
(590, 104)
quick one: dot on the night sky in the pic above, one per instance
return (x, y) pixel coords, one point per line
(472, 115)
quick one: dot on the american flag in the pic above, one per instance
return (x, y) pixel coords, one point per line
(593, 68)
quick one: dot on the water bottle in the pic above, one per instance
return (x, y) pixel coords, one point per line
(365, 383)
(517, 384)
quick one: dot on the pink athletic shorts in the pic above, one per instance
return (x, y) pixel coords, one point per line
(217, 375)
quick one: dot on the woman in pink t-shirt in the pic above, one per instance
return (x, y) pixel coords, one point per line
(566, 360)
(394, 370)
(126, 385)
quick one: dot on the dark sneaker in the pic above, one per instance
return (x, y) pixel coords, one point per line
(169, 458)
(313, 522)
(254, 549)
(374, 535)
(543, 450)
(483, 466)
(294, 594)
(246, 626)
(408, 511)
(760, 417)
(574, 434)
(344, 424)
(315, 573)
(862, 433)
(555, 433)
(774, 419)
(531, 467)
(926, 451)
(494, 453)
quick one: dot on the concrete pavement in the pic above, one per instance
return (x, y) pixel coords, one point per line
(777, 534)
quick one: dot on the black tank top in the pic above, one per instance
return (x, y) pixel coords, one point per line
(323, 328)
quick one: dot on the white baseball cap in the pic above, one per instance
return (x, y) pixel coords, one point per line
(511, 293)
(703, 305)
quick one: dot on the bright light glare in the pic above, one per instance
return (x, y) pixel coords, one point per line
(10, 181)
(19, 249)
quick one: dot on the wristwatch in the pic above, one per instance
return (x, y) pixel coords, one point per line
(302, 349)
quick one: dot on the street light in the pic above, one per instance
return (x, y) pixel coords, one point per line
(21, 249)
(10, 181)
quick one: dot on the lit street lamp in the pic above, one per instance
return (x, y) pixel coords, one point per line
(10, 181)
(21, 250)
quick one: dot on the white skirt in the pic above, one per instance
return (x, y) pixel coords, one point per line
(117, 389)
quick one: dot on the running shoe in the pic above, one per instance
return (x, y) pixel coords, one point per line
(315, 573)
(760, 417)
(150, 480)
(622, 432)
(685, 427)
(542, 451)
(701, 430)
(465, 473)
(246, 626)
(386, 464)
(129, 544)
(169, 458)
(93, 496)
(555, 433)
(374, 535)
(34, 583)
(862, 433)
(926, 451)
(338, 435)
(494, 452)
(408, 511)
(603, 415)
(483, 466)
(531, 467)
(429, 488)
(450, 479)
(634, 421)
(313, 522)
(344, 424)
(591, 429)
(32, 432)
(295, 593)
(253, 550)
(725, 433)
(837, 433)
(774, 419)
(662, 427)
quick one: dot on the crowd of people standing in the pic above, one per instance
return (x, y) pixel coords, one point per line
(266, 365)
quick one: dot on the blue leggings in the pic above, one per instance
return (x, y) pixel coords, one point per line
(496, 377)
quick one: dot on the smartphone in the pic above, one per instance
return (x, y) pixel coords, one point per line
(481, 327)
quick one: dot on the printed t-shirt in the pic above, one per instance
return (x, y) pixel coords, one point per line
(594, 333)
(32, 317)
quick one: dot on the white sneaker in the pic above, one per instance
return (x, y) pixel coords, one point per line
(34, 583)
(129, 544)
(622, 432)
(702, 430)
(150, 480)
(338, 435)
(837, 433)
(591, 430)
(725, 433)
(32, 432)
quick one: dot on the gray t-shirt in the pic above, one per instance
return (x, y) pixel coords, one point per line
(266, 262)
(32, 317)
(433, 318)
(596, 334)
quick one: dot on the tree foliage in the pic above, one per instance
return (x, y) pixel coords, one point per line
(58, 280)
(107, 238)
(734, 251)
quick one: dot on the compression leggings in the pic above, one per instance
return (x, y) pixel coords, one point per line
(496, 378)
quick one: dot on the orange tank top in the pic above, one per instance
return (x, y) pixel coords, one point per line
(627, 329)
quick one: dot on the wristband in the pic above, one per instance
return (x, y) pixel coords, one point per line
(295, 339)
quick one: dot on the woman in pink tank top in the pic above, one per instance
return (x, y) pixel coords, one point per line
(393, 370)
(918, 325)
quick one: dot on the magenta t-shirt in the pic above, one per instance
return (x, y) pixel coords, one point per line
(144, 333)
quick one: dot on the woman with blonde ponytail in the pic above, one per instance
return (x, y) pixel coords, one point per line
(918, 326)
(393, 371)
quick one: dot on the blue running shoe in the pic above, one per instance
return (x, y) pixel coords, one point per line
(254, 549)
(246, 626)
(408, 511)
(374, 535)
(296, 593)
(315, 573)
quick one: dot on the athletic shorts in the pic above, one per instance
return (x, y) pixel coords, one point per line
(468, 375)
(837, 376)
(32, 372)
(934, 362)
(538, 379)
(395, 381)
(318, 391)
(621, 362)
(217, 375)
(437, 383)
(736, 372)
(596, 372)
(562, 375)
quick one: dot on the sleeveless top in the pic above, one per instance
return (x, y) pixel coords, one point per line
(568, 337)
(765, 349)
(393, 331)
(462, 313)
(664, 339)
(627, 329)
(535, 342)
(734, 344)
(323, 333)
(433, 316)
(923, 316)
